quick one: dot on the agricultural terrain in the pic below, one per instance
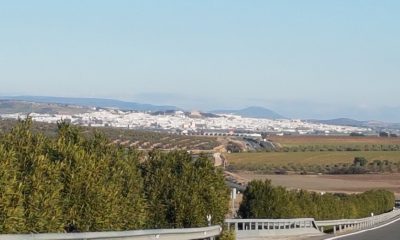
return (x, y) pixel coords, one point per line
(139, 139)
(355, 183)
(292, 140)
(321, 154)
(323, 163)
(313, 162)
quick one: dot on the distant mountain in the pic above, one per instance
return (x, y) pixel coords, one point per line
(188, 114)
(341, 122)
(94, 102)
(25, 107)
(252, 112)
(377, 125)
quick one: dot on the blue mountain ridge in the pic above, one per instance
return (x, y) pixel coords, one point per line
(93, 102)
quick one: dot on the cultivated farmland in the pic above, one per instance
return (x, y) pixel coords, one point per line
(292, 140)
(322, 154)
(257, 159)
(331, 183)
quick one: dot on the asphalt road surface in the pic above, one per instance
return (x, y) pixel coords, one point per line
(389, 232)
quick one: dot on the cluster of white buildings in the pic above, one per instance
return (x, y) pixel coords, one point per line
(193, 123)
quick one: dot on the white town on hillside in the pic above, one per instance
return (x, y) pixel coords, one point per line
(195, 123)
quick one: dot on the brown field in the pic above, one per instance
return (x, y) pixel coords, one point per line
(243, 162)
(332, 140)
(331, 183)
(247, 161)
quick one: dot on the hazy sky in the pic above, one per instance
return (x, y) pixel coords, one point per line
(206, 54)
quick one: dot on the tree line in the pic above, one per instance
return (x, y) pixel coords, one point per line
(77, 182)
(262, 200)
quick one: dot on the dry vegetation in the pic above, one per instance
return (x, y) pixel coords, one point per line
(263, 165)
(331, 183)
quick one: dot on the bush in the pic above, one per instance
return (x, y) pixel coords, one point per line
(182, 191)
(360, 161)
(227, 235)
(78, 183)
(262, 200)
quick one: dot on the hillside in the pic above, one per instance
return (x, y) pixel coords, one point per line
(13, 106)
(93, 102)
(341, 122)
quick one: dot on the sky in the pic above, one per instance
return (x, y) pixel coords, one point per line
(308, 59)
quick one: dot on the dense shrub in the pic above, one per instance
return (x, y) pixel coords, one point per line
(70, 183)
(262, 200)
(227, 235)
(196, 190)
(75, 182)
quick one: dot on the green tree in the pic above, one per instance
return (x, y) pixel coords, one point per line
(82, 182)
(103, 189)
(12, 218)
(182, 191)
(262, 200)
(38, 178)
(360, 162)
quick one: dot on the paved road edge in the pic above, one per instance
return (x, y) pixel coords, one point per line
(362, 231)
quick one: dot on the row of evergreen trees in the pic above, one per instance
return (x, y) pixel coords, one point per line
(262, 200)
(74, 183)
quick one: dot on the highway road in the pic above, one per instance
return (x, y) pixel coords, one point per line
(389, 232)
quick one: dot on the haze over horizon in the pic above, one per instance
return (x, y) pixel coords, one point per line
(305, 59)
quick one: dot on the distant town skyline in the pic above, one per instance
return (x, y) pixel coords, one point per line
(305, 59)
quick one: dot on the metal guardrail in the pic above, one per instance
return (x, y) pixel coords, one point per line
(251, 228)
(357, 224)
(244, 228)
(166, 234)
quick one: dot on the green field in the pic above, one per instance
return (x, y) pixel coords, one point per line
(297, 160)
